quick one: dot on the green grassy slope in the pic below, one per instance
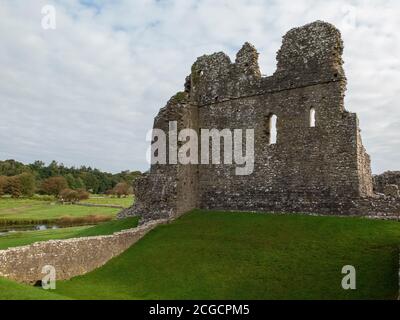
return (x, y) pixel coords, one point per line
(28, 237)
(15, 291)
(216, 255)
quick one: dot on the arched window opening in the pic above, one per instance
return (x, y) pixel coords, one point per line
(312, 117)
(273, 132)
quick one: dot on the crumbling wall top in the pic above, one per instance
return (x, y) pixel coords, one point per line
(315, 45)
(309, 55)
(247, 60)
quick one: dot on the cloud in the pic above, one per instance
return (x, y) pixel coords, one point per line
(87, 92)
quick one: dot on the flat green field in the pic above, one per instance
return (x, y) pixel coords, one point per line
(38, 210)
(218, 255)
(35, 211)
(123, 202)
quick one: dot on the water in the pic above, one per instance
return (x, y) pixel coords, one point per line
(38, 227)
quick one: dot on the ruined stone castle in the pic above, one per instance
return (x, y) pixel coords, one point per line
(316, 165)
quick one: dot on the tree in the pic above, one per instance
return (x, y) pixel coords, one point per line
(14, 187)
(3, 185)
(79, 184)
(28, 184)
(54, 169)
(121, 189)
(68, 195)
(91, 181)
(70, 180)
(37, 166)
(54, 185)
(12, 168)
(84, 177)
(82, 194)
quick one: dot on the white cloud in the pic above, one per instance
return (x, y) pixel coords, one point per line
(87, 92)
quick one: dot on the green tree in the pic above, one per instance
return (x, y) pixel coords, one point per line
(79, 183)
(83, 177)
(28, 183)
(54, 169)
(70, 180)
(12, 168)
(91, 182)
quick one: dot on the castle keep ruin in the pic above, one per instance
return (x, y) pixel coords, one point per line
(318, 163)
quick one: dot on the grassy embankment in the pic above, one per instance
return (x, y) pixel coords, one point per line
(217, 255)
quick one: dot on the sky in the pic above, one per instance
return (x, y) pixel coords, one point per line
(86, 92)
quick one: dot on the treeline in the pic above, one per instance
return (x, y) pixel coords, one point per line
(18, 179)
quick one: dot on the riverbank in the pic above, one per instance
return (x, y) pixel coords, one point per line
(25, 216)
(16, 239)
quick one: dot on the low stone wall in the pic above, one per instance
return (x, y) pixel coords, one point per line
(97, 205)
(379, 207)
(100, 205)
(69, 257)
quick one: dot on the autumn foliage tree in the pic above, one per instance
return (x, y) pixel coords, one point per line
(3, 185)
(121, 189)
(82, 194)
(69, 195)
(54, 185)
(14, 187)
(20, 185)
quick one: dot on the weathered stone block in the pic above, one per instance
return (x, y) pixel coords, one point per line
(392, 190)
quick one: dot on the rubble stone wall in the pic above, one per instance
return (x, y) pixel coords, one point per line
(384, 179)
(70, 257)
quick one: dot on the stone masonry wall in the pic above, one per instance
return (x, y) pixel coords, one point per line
(321, 169)
(386, 178)
(70, 257)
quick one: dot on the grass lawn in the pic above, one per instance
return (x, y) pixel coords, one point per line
(101, 199)
(217, 255)
(30, 210)
(27, 237)
(14, 291)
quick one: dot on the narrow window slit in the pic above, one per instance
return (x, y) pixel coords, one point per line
(312, 117)
(271, 131)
